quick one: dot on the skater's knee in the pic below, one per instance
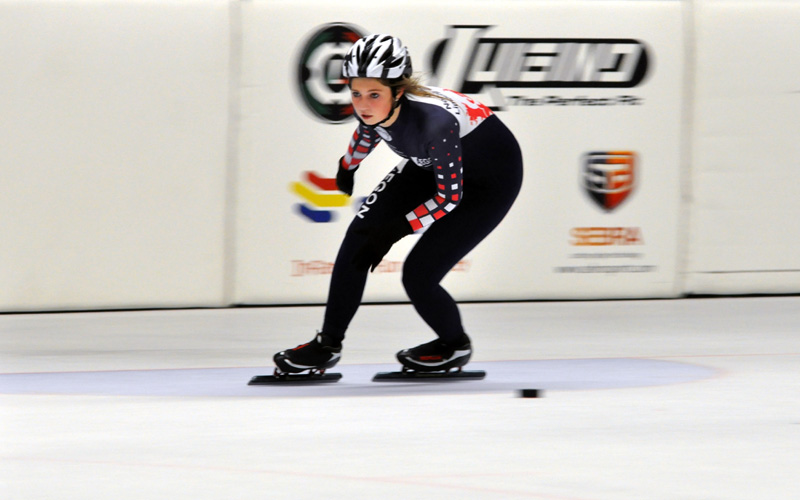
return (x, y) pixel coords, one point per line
(416, 282)
(359, 248)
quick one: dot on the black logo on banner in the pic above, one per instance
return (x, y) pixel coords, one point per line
(472, 63)
(319, 71)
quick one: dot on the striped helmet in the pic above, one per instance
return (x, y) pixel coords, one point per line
(377, 56)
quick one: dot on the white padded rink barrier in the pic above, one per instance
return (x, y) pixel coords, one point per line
(178, 153)
(745, 161)
(113, 133)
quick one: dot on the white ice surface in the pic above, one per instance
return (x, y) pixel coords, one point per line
(732, 435)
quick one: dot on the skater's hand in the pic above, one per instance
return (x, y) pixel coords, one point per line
(379, 241)
(345, 179)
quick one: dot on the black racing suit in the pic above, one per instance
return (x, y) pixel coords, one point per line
(462, 173)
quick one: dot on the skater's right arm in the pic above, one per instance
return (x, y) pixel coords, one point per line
(361, 144)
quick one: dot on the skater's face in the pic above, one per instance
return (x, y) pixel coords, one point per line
(372, 100)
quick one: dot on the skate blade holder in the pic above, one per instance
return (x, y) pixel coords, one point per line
(312, 377)
(407, 375)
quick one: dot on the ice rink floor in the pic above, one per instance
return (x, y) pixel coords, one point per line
(666, 399)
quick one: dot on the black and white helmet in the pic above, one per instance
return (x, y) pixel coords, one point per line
(377, 56)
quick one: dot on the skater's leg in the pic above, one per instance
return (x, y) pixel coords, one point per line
(490, 185)
(346, 287)
(437, 252)
(404, 188)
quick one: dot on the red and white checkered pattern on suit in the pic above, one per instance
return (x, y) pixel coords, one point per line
(447, 167)
(361, 144)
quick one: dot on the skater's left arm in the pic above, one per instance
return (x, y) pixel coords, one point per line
(444, 149)
(362, 143)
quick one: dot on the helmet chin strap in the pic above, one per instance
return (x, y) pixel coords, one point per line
(395, 105)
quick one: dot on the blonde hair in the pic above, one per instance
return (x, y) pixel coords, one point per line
(411, 85)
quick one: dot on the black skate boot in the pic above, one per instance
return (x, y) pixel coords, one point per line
(436, 356)
(318, 355)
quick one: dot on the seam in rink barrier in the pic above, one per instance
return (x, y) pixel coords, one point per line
(501, 376)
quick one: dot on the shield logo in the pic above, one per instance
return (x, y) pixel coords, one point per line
(608, 177)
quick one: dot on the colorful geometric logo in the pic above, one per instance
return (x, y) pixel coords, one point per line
(609, 177)
(319, 193)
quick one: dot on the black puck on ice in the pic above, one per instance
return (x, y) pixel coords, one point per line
(530, 393)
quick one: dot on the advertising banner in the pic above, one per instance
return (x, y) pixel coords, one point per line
(592, 93)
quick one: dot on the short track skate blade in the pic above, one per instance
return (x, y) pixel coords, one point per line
(295, 378)
(412, 376)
